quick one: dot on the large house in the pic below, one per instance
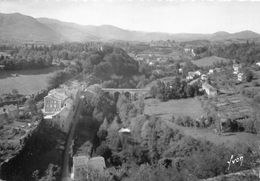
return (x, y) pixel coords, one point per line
(210, 90)
(54, 101)
(61, 119)
(57, 108)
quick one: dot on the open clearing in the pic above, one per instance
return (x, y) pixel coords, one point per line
(181, 107)
(26, 81)
(208, 61)
(229, 139)
(192, 107)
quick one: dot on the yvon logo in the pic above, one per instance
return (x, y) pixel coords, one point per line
(235, 160)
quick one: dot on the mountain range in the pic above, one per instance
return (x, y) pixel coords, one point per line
(17, 27)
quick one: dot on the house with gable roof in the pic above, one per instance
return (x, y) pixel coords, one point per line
(210, 90)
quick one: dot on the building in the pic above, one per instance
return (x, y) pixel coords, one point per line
(83, 164)
(192, 75)
(61, 119)
(190, 50)
(58, 108)
(203, 77)
(210, 90)
(211, 71)
(79, 166)
(124, 130)
(258, 64)
(240, 77)
(236, 68)
(54, 101)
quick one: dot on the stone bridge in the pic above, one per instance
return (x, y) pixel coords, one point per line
(132, 94)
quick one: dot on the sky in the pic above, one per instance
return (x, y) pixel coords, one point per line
(172, 16)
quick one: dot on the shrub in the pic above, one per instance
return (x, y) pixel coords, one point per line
(249, 75)
(248, 125)
(256, 84)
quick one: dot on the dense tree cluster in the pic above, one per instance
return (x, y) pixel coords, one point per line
(247, 53)
(27, 58)
(174, 90)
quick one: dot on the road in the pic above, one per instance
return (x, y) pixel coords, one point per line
(65, 176)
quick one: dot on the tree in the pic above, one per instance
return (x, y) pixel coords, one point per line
(30, 103)
(103, 70)
(51, 173)
(15, 92)
(249, 75)
(104, 151)
(190, 91)
(35, 175)
(156, 172)
(57, 79)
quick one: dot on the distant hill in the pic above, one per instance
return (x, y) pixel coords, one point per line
(218, 36)
(18, 27)
(21, 28)
(70, 31)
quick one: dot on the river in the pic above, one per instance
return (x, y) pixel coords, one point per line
(25, 81)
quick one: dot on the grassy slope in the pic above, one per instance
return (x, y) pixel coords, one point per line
(181, 107)
(208, 61)
(191, 107)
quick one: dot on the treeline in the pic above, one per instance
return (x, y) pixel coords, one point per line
(109, 65)
(247, 53)
(35, 56)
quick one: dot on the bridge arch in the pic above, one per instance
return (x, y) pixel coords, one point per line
(116, 95)
(132, 94)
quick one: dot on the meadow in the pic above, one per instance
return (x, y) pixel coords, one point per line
(181, 107)
(209, 61)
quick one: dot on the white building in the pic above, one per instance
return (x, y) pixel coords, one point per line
(83, 164)
(203, 77)
(54, 101)
(210, 90)
(240, 77)
(236, 68)
(192, 75)
(211, 71)
(58, 106)
(124, 130)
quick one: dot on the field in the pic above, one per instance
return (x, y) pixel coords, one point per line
(208, 61)
(181, 107)
(26, 81)
(192, 107)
